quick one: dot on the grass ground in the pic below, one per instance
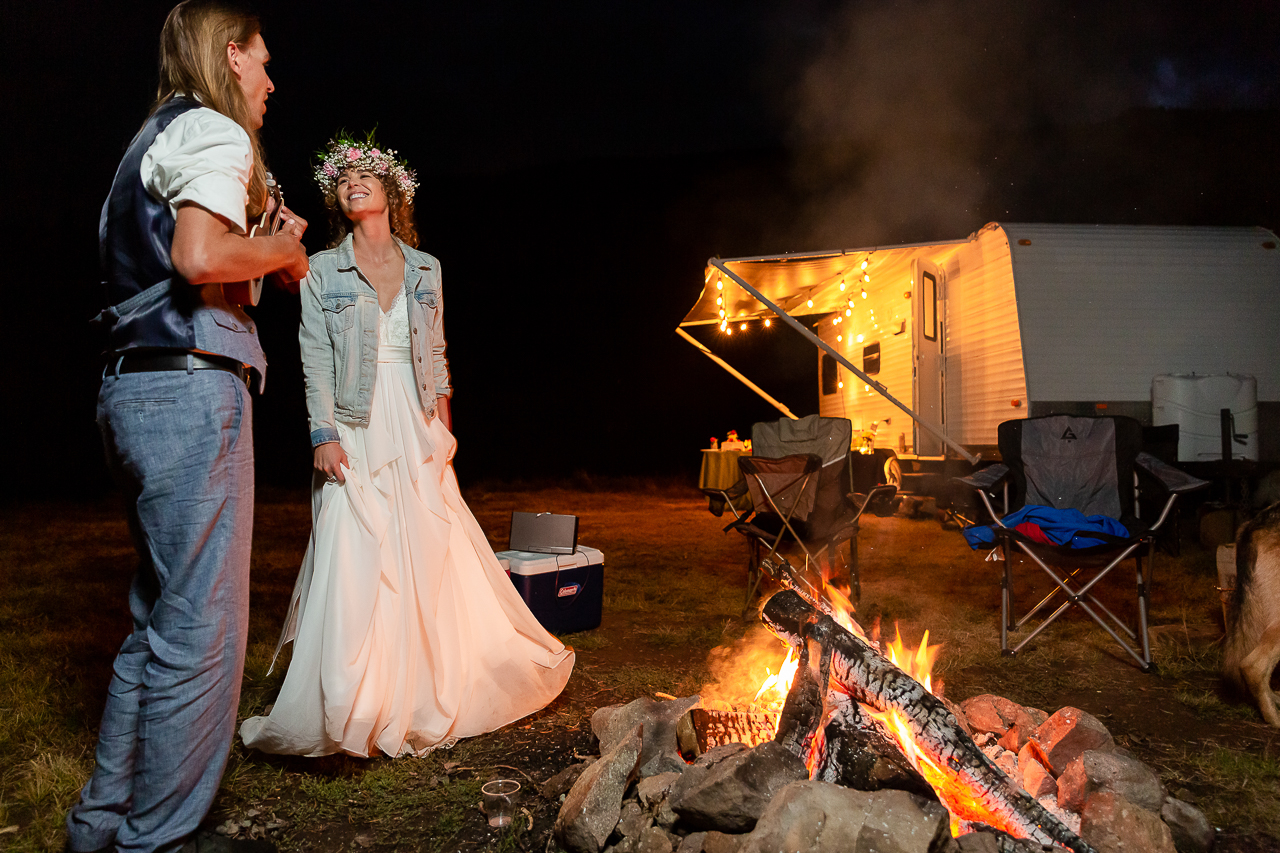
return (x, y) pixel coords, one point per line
(673, 623)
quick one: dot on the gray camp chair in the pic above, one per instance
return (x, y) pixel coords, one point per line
(833, 519)
(1095, 465)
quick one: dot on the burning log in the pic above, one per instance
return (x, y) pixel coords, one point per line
(966, 781)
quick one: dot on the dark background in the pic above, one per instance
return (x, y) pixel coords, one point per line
(581, 161)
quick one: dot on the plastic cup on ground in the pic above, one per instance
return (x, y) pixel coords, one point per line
(500, 800)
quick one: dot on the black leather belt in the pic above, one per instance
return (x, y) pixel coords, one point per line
(147, 362)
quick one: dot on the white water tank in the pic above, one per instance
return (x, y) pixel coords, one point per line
(1195, 402)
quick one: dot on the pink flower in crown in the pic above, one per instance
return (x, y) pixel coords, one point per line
(331, 170)
(353, 154)
(374, 152)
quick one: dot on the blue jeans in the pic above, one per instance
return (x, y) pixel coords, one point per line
(181, 448)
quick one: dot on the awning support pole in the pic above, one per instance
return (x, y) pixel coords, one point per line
(736, 375)
(831, 351)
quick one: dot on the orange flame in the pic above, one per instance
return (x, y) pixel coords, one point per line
(954, 793)
(773, 692)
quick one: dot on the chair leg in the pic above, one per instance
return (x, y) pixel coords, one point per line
(1142, 615)
(1006, 604)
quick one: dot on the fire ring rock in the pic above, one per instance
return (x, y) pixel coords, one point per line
(818, 817)
(594, 803)
(1097, 771)
(1070, 732)
(732, 795)
(1112, 824)
(660, 752)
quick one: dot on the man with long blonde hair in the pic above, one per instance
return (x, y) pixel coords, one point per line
(176, 421)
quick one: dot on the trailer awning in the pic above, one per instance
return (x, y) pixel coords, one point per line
(793, 281)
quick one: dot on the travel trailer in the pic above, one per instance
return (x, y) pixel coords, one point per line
(928, 347)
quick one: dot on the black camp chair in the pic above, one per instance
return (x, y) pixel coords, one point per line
(1095, 465)
(833, 519)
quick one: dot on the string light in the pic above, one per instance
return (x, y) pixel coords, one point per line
(864, 265)
(728, 331)
(859, 338)
(840, 384)
(867, 279)
(810, 303)
(839, 338)
(841, 285)
(719, 300)
(864, 293)
(719, 284)
(744, 327)
(848, 312)
(767, 321)
(721, 313)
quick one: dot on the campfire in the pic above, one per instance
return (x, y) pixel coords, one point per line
(840, 712)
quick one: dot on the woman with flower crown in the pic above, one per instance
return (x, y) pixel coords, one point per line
(407, 633)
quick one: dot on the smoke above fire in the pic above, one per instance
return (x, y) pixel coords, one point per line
(917, 120)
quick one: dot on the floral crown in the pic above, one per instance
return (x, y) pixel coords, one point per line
(346, 152)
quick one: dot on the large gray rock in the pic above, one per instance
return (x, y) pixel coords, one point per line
(593, 805)
(1191, 830)
(818, 817)
(559, 784)
(732, 794)
(1097, 771)
(661, 751)
(1112, 824)
(1069, 733)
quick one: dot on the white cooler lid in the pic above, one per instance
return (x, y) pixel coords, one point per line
(530, 563)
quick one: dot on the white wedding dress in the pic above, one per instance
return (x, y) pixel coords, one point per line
(408, 634)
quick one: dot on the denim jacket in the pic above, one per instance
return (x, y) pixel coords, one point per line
(339, 337)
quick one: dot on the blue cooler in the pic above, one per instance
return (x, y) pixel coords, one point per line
(564, 591)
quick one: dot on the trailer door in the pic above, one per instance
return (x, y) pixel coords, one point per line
(928, 387)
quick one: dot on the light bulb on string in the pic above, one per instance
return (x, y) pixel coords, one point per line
(839, 338)
(864, 293)
(867, 279)
(859, 338)
(719, 284)
(841, 285)
(767, 321)
(840, 384)
(719, 300)
(810, 303)
(864, 265)
(744, 327)
(848, 312)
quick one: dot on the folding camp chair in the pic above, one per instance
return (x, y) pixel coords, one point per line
(1094, 465)
(784, 492)
(833, 519)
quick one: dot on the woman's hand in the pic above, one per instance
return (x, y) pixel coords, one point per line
(328, 459)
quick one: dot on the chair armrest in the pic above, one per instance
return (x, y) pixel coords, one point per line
(985, 479)
(1174, 481)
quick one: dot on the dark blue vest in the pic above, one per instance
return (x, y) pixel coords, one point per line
(135, 235)
(152, 307)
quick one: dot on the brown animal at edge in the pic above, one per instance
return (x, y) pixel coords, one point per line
(1252, 647)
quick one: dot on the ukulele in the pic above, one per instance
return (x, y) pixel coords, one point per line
(249, 292)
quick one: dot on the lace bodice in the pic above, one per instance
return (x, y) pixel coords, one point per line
(393, 324)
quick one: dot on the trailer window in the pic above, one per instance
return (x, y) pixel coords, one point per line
(871, 359)
(830, 375)
(929, 307)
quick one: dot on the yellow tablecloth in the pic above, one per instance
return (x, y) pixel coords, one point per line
(720, 471)
(720, 468)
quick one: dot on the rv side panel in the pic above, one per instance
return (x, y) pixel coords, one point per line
(985, 380)
(1104, 309)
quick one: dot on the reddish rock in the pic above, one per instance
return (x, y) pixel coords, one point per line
(1031, 752)
(1016, 738)
(1112, 824)
(1068, 734)
(1036, 781)
(1008, 762)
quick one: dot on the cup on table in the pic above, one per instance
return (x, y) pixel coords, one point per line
(500, 800)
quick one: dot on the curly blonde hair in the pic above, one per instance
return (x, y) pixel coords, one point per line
(399, 209)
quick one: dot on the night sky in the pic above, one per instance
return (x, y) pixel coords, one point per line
(581, 161)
